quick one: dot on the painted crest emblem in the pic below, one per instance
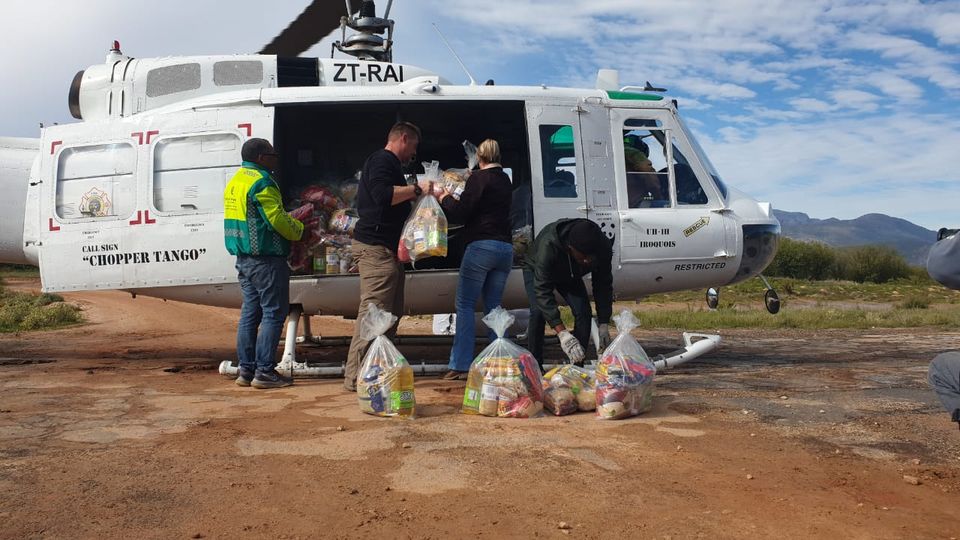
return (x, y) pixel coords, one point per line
(95, 203)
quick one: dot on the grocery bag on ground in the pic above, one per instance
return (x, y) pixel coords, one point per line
(425, 232)
(385, 380)
(504, 380)
(568, 389)
(624, 374)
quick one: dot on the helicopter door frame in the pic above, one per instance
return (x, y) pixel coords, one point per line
(599, 177)
(96, 168)
(676, 240)
(556, 198)
(184, 245)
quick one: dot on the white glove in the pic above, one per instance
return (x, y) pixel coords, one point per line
(603, 331)
(571, 347)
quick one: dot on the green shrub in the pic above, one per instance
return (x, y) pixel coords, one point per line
(914, 302)
(22, 311)
(50, 316)
(877, 264)
(803, 260)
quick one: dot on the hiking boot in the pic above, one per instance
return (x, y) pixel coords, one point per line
(245, 376)
(270, 379)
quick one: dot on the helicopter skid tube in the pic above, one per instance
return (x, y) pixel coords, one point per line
(695, 345)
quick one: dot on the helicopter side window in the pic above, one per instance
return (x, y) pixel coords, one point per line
(559, 161)
(172, 79)
(648, 181)
(237, 72)
(96, 181)
(689, 190)
(190, 173)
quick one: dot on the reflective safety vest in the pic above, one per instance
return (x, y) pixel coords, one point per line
(254, 221)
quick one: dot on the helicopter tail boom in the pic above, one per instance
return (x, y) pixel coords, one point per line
(16, 159)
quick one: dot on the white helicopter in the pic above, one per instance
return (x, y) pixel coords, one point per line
(130, 198)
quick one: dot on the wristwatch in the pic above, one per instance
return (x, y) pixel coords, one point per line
(417, 190)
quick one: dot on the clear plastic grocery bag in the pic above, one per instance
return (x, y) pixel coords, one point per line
(568, 389)
(385, 380)
(624, 374)
(425, 232)
(505, 379)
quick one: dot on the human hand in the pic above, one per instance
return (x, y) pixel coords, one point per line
(571, 347)
(603, 333)
(426, 186)
(302, 212)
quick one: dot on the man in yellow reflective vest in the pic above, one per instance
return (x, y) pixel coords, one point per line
(258, 231)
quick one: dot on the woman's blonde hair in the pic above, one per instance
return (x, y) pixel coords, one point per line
(489, 151)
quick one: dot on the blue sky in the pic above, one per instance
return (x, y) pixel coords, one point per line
(834, 108)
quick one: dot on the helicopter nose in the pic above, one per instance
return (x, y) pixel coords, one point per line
(760, 243)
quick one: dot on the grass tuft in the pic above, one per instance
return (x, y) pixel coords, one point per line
(22, 311)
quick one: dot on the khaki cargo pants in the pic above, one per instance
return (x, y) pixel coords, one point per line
(381, 282)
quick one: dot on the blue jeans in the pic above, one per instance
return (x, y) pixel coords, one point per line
(484, 271)
(265, 284)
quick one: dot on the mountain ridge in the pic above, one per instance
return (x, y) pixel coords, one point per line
(909, 239)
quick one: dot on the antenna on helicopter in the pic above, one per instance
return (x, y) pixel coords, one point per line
(650, 88)
(455, 55)
(367, 43)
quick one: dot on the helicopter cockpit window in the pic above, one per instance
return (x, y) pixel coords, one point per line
(689, 189)
(559, 161)
(237, 72)
(190, 173)
(96, 181)
(645, 161)
(172, 79)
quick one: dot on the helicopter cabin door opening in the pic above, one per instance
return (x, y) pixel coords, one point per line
(673, 218)
(323, 146)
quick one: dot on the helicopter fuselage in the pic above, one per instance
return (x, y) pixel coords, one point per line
(131, 198)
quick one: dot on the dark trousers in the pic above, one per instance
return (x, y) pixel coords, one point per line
(944, 377)
(579, 302)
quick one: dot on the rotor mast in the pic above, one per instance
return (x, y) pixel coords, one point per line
(368, 42)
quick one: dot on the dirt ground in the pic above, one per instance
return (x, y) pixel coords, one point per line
(123, 427)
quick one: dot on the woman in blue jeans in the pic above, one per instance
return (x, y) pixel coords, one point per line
(484, 210)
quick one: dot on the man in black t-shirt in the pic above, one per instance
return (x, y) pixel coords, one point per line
(383, 204)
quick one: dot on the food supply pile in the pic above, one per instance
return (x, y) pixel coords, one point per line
(328, 222)
(385, 379)
(568, 389)
(504, 379)
(624, 377)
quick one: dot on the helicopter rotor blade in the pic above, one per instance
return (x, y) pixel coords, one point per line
(315, 22)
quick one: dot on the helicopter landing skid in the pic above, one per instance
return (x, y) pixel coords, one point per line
(307, 338)
(694, 346)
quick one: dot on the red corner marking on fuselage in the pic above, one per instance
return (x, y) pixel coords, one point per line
(248, 127)
(53, 147)
(139, 136)
(139, 219)
(53, 227)
(146, 218)
(151, 134)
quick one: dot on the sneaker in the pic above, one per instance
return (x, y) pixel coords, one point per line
(454, 375)
(270, 379)
(245, 376)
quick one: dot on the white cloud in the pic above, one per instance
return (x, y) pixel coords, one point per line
(946, 27)
(845, 167)
(855, 99)
(810, 105)
(894, 85)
